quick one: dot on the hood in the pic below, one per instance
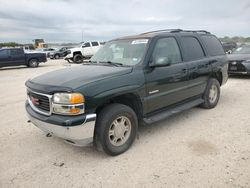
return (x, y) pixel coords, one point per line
(74, 49)
(238, 57)
(76, 76)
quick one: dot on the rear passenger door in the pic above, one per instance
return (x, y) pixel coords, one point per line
(197, 63)
(95, 46)
(165, 85)
(17, 57)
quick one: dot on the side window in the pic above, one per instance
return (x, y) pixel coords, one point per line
(87, 44)
(3, 52)
(166, 51)
(192, 48)
(16, 52)
(213, 45)
(94, 43)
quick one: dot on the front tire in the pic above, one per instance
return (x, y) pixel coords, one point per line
(57, 56)
(78, 58)
(116, 129)
(212, 94)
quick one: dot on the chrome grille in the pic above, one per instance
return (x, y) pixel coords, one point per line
(40, 102)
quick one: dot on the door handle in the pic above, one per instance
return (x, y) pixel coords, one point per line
(184, 70)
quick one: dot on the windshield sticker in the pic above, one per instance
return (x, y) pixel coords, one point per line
(140, 41)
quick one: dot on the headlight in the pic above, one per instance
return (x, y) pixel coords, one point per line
(68, 103)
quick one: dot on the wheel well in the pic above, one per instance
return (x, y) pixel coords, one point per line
(32, 59)
(131, 100)
(218, 76)
(76, 53)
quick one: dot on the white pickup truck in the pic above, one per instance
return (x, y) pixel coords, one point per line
(84, 51)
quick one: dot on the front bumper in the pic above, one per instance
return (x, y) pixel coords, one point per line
(237, 68)
(78, 135)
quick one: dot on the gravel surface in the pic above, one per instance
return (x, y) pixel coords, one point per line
(196, 148)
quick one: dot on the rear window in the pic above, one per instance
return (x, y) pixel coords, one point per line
(213, 45)
(192, 48)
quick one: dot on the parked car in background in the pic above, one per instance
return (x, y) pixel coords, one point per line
(17, 56)
(61, 52)
(84, 51)
(229, 46)
(239, 60)
(131, 80)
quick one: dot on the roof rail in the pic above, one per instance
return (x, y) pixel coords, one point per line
(163, 30)
(197, 31)
(176, 30)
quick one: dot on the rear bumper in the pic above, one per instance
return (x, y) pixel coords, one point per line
(79, 135)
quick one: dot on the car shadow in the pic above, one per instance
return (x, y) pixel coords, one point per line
(240, 76)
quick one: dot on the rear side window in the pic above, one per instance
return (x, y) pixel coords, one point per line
(213, 45)
(16, 52)
(192, 48)
(94, 43)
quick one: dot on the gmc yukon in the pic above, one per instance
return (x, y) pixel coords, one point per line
(131, 80)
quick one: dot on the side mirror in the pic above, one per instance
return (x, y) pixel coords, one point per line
(160, 62)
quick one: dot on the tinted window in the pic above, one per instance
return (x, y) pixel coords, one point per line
(167, 48)
(86, 45)
(213, 45)
(16, 52)
(192, 48)
(94, 43)
(3, 52)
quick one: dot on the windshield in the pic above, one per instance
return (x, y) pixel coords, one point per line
(242, 50)
(125, 52)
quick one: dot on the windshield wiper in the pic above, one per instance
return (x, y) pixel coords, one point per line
(112, 63)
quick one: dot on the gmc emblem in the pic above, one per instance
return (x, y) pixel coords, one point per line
(35, 101)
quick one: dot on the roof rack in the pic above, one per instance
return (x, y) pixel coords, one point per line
(197, 31)
(176, 30)
(162, 30)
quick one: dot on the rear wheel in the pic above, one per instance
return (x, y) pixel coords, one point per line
(33, 63)
(116, 129)
(78, 58)
(212, 94)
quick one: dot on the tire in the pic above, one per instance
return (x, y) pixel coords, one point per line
(33, 63)
(78, 58)
(212, 94)
(116, 129)
(57, 56)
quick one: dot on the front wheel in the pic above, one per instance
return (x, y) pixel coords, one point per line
(212, 94)
(116, 129)
(57, 56)
(78, 58)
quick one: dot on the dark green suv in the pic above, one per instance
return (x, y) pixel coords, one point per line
(131, 80)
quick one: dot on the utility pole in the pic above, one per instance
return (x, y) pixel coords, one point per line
(82, 35)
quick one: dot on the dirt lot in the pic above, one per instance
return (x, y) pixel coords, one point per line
(197, 148)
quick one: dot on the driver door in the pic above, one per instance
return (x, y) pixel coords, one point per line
(165, 84)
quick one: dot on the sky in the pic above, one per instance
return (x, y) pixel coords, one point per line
(74, 20)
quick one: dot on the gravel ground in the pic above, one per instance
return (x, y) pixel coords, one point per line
(196, 148)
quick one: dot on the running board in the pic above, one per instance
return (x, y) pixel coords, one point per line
(165, 114)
